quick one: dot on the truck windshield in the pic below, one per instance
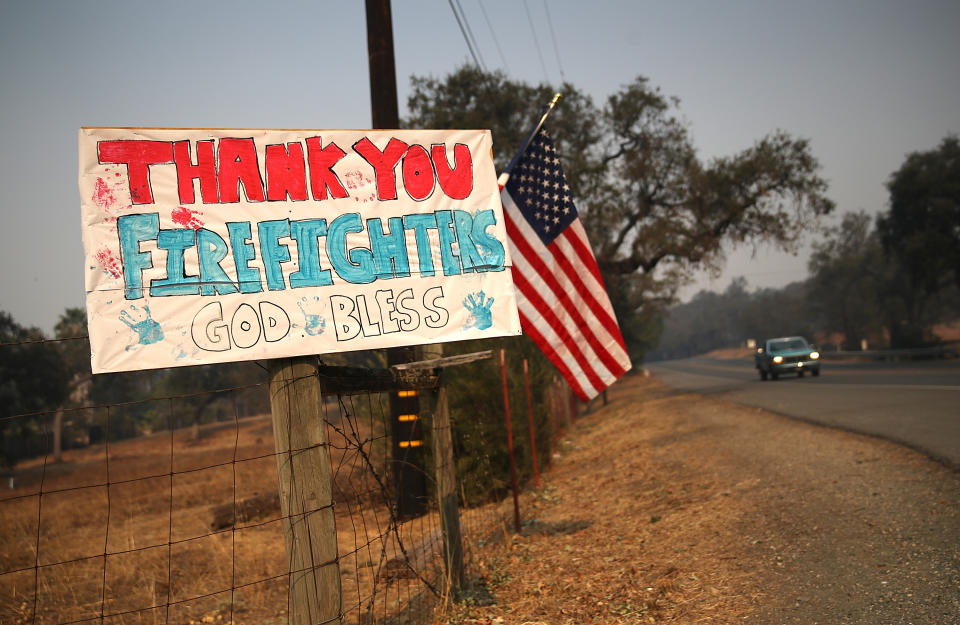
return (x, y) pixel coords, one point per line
(787, 345)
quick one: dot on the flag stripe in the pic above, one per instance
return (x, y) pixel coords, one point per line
(576, 237)
(556, 350)
(585, 344)
(586, 368)
(601, 309)
(599, 302)
(561, 329)
(577, 381)
(526, 250)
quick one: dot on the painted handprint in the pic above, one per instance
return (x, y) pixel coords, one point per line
(313, 323)
(357, 181)
(108, 263)
(147, 329)
(180, 351)
(110, 194)
(480, 316)
(103, 195)
(187, 218)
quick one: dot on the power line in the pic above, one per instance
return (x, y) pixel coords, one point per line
(493, 34)
(476, 60)
(553, 38)
(466, 22)
(536, 42)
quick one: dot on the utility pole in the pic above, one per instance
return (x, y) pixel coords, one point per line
(406, 431)
(383, 71)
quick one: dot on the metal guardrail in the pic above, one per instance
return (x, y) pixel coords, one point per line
(940, 351)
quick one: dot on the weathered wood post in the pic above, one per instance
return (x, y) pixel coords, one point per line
(442, 440)
(306, 501)
(513, 463)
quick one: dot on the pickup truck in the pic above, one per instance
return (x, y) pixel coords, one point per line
(788, 354)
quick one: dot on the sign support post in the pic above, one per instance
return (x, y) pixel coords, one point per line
(513, 463)
(306, 500)
(442, 439)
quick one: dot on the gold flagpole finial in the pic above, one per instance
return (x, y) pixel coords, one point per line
(526, 143)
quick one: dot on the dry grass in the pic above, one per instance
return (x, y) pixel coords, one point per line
(165, 564)
(154, 524)
(627, 529)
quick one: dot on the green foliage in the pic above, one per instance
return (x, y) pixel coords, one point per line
(209, 397)
(477, 414)
(654, 212)
(854, 289)
(921, 240)
(72, 325)
(849, 275)
(472, 98)
(922, 229)
(33, 379)
(893, 283)
(866, 292)
(658, 203)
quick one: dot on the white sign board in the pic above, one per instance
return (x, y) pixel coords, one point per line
(206, 246)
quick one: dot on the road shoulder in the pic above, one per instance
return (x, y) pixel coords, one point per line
(673, 507)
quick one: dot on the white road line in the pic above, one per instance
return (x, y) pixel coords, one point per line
(919, 387)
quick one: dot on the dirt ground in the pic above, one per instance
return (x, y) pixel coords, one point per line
(670, 507)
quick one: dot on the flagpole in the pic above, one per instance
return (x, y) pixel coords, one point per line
(526, 142)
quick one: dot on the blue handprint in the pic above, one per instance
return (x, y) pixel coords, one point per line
(480, 316)
(314, 323)
(147, 329)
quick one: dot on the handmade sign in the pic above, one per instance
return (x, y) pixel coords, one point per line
(206, 246)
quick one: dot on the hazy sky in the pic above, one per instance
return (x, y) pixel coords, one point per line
(867, 82)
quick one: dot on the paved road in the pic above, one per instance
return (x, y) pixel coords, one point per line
(914, 403)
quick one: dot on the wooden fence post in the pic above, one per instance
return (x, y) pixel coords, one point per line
(446, 471)
(306, 501)
(509, 424)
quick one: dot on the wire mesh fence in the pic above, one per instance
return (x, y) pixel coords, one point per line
(181, 522)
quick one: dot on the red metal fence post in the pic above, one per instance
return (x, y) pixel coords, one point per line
(513, 464)
(533, 432)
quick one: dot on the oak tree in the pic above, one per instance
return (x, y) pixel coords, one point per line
(655, 211)
(922, 227)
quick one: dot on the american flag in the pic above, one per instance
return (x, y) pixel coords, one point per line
(563, 304)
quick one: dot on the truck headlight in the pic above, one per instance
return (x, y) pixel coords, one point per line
(814, 355)
(777, 360)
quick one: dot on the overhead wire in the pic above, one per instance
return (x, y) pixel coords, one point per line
(466, 22)
(466, 38)
(553, 39)
(536, 41)
(493, 34)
